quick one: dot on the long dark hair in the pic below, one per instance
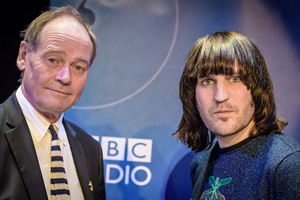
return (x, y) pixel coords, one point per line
(216, 54)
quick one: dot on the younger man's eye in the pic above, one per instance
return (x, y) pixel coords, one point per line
(207, 82)
(235, 79)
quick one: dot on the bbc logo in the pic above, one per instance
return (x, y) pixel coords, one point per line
(138, 150)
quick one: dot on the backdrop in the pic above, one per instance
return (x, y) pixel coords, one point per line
(131, 102)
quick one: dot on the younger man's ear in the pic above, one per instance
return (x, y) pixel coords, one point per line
(21, 60)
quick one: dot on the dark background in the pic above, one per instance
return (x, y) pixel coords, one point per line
(15, 16)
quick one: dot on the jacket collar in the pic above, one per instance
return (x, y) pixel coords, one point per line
(20, 141)
(79, 160)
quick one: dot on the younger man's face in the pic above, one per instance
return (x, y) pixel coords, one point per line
(225, 104)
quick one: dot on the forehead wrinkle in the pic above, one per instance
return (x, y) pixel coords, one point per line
(53, 42)
(65, 38)
(57, 33)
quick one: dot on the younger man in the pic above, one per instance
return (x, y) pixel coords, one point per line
(227, 94)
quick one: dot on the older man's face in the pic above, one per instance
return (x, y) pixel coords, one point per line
(56, 71)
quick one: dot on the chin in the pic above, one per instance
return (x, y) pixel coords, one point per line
(55, 108)
(224, 135)
(221, 132)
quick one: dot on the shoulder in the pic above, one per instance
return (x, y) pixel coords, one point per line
(290, 164)
(278, 147)
(286, 177)
(284, 145)
(288, 150)
(2, 114)
(284, 162)
(10, 112)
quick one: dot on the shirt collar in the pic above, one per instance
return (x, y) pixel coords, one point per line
(40, 124)
(60, 130)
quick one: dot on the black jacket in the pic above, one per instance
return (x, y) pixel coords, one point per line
(20, 175)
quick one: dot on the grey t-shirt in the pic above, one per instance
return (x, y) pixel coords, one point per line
(262, 167)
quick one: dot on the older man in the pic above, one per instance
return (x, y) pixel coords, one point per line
(42, 155)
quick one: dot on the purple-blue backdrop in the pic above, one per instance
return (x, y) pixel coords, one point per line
(131, 102)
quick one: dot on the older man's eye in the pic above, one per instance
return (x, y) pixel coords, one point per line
(52, 60)
(78, 69)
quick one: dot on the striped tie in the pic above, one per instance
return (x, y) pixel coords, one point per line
(59, 183)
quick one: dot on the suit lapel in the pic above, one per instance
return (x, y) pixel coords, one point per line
(20, 141)
(79, 160)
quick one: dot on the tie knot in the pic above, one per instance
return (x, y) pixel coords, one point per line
(53, 132)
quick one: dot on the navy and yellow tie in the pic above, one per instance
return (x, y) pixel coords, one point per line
(59, 183)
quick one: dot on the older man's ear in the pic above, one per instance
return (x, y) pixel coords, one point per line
(21, 59)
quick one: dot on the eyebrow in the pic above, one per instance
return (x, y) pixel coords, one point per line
(83, 60)
(54, 51)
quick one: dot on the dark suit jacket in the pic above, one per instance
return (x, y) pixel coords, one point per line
(20, 175)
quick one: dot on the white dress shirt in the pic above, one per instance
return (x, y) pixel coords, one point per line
(41, 137)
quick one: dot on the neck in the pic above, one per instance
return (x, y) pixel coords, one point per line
(52, 118)
(230, 140)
